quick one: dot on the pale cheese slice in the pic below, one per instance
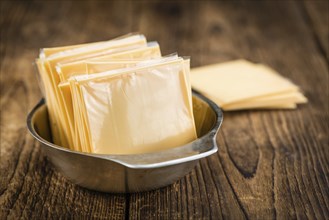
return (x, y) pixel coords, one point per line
(274, 107)
(80, 120)
(49, 63)
(152, 51)
(126, 112)
(46, 52)
(273, 100)
(295, 97)
(123, 59)
(53, 114)
(68, 69)
(286, 106)
(236, 81)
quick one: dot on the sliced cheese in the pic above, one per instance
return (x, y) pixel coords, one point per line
(46, 52)
(123, 59)
(152, 51)
(237, 80)
(97, 62)
(127, 114)
(285, 106)
(272, 100)
(282, 106)
(50, 99)
(67, 69)
(48, 64)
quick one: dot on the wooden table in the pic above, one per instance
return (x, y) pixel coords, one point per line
(270, 164)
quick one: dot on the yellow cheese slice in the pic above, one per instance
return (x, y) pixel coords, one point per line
(273, 100)
(286, 106)
(68, 69)
(81, 54)
(46, 52)
(123, 59)
(274, 107)
(123, 118)
(79, 118)
(53, 114)
(151, 51)
(49, 63)
(295, 97)
(80, 123)
(188, 81)
(236, 81)
(94, 66)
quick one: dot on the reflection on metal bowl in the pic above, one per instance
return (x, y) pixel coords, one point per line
(135, 172)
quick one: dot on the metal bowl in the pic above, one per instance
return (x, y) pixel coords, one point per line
(136, 172)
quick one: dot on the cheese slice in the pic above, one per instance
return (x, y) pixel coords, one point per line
(127, 114)
(123, 59)
(80, 120)
(272, 100)
(273, 107)
(68, 69)
(285, 106)
(237, 81)
(48, 64)
(149, 52)
(53, 114)
(294, 97)
(46, 52)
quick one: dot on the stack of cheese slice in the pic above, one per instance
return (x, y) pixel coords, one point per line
(240, 84)
(117, 97)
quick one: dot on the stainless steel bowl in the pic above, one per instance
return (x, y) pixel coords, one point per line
(136, 172)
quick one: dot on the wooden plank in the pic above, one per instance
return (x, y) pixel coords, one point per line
(316, 14)
(29, 187)
(271, 164)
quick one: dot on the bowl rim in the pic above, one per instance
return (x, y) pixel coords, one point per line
(123, 159)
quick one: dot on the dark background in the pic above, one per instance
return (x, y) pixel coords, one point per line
(270, 164)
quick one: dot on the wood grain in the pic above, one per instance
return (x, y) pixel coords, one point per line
(270, 164)
(316, 14)
(29, 187)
